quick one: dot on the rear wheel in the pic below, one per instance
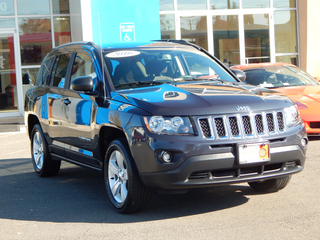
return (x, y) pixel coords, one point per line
(43, 165)
(125, 189)
(271, 185)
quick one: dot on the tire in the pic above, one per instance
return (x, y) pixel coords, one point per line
(43, 165)
(272, 185)
(124, 187)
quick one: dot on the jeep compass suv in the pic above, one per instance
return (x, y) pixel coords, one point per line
(161, 115)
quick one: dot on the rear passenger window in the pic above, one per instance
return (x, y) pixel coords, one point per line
(59, 70)
(44, 71)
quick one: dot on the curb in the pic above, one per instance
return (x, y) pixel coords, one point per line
(12, 129)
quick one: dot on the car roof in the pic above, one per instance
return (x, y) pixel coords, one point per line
(178, 44)
(140, 45)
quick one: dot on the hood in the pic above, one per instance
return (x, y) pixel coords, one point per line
(308, 95)
(203, 98)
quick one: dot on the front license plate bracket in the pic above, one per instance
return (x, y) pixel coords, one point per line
(249, 153)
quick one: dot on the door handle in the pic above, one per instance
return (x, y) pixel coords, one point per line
(66, 101)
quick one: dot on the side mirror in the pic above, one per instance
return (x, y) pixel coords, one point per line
(239, 74)
(84, 84)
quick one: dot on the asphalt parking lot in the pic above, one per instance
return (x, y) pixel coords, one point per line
(74, 205)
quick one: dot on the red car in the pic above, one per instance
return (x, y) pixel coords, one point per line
(290, 80)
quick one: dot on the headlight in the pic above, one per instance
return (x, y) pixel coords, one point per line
(169, 125)
(292, 115)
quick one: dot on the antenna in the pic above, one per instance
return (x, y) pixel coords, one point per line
(102, 65)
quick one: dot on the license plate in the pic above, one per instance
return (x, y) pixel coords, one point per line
(253, 153)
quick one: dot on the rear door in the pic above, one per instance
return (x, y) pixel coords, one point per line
(53, 99)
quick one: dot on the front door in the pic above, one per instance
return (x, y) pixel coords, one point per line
(77, 121)
(10, 88)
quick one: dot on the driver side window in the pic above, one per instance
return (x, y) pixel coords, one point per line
(83, 66)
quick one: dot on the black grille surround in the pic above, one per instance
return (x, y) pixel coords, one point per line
(242, 125)
(240, 172)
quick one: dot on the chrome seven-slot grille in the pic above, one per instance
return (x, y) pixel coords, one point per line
(242, 125)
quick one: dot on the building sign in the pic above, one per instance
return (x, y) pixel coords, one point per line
(127, 32)
(132, 21)
(6, 7)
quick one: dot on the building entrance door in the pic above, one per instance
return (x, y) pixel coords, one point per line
(9, 89)
(257, 31)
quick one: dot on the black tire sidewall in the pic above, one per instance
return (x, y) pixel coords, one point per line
(271, 185)
(38, 129)
(49, 167)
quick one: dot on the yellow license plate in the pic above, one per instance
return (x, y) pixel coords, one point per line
(253, 153)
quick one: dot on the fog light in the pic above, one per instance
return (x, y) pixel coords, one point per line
(166, 156)
(304, 142)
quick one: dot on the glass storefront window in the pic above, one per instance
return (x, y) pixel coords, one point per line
(256, 3)
(192, 4)
(7, 23)
(167, 26)
(284, 3)
(224, 4)
(226, 39)
(35, 39)
(6, 8)
(8, 85)
(60, 6)
(257, 42)
(285, 28)
(292, 59)
(29, 76)
(61, 30)
(166, 5)
(33, 7)
(194, 30)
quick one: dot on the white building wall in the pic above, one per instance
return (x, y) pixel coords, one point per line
(313, 38)
(86, 20)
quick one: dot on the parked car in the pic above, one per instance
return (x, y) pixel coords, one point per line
(159, 116)
(292, 81)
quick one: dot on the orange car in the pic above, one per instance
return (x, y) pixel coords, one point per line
(292, 81)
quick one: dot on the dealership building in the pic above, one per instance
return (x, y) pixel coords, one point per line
(235, 31)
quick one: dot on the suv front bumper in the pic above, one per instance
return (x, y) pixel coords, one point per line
(221, 169)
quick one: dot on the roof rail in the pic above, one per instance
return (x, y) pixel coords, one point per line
(181, 41)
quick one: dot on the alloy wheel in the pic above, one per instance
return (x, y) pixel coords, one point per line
(37, 150)
(118, 176)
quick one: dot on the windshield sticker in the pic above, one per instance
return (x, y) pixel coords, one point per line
(121, 54)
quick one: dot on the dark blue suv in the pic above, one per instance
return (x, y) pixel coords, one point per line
(161, 115)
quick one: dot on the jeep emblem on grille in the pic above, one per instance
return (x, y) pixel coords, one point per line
(243, 108)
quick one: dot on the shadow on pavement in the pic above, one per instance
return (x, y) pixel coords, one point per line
(78, 195)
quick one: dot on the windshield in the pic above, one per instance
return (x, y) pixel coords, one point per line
(144, 67)
(279, 76)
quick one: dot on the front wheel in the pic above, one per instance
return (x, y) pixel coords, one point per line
(43, 165)
(271, 185)
(124, 187)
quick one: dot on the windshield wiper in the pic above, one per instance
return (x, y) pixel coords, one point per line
(205, 79)
(139, 83)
